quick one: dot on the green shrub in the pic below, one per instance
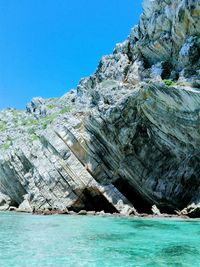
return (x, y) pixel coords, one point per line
(66, 109)
(34, 122)
(30, 122)
(44, 126)
(2, 126)
(48, 120)
(7, 144)
(146, 95)
(34, 137)
(50, 106)
(169, 82)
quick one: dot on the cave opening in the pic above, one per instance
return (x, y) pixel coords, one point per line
(138, 201)
(167, 209)
(141, 204)
(166, 73)
(92, 200)
(13, 203)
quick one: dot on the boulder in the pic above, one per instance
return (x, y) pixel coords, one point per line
(155, 210)
(82, 212)
(25, 207)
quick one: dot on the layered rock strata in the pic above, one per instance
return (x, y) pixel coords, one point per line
(127, 138)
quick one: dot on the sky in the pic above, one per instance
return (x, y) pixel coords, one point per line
(46, 46)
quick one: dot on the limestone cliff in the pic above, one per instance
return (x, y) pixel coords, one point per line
(126, 138)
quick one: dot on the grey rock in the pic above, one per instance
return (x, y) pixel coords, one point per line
(155, 210)
(25, 207)
(82, 212)
(133, 212)
(5, 202)
(192, 210)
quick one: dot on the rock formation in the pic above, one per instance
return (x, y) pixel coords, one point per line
(127, 138)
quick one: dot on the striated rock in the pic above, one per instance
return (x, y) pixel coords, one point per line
(192, 211)
(5, 202)
(126, 138)
(25, 206)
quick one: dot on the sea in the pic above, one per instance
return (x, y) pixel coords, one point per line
(88, 241)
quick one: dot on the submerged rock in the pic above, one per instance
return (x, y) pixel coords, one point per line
(126, 138)
(91, 212)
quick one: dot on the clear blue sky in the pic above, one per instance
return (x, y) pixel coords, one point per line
(46, 46)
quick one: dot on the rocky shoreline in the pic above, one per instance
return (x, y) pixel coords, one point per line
(116, 215)
(99, 213)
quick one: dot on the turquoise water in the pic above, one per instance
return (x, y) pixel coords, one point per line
(27, 240)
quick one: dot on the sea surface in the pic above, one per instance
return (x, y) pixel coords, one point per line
(60, 240)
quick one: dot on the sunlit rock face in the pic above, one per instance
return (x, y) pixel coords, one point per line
(126, 138)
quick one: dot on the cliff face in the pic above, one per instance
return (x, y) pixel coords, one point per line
(127, 138)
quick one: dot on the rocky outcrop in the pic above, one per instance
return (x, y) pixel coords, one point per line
(127, 138)
(5, 202)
